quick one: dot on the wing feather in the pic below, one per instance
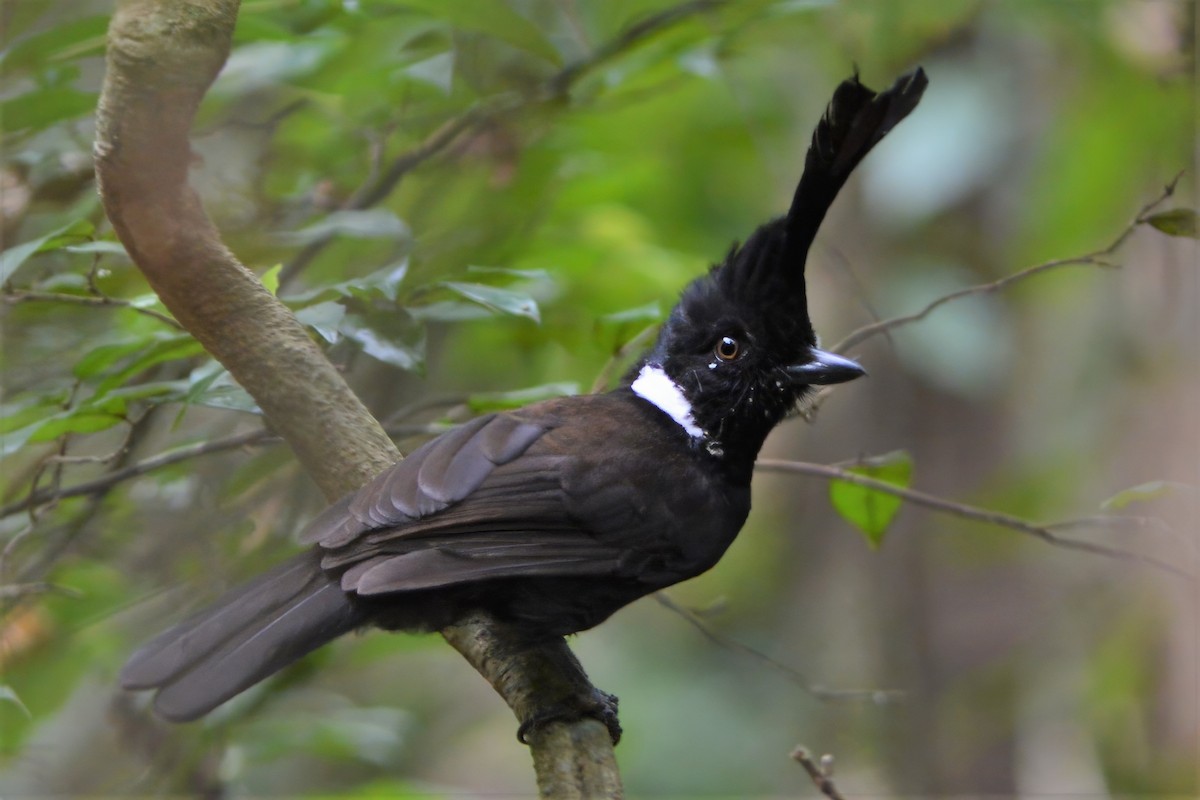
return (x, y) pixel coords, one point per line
(435, 477)
(438, 567)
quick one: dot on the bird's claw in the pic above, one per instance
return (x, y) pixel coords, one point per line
(599, 705)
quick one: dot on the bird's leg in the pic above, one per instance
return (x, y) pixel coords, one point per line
(582, 699)
(543, 682)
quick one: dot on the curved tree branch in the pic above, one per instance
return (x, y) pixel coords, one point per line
(162, 57)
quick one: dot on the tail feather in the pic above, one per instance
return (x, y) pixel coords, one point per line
(248, 635)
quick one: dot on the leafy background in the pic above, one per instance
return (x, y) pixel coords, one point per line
(516, 263)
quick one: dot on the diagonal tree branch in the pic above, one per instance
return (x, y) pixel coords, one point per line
(162, 57)
(161, 60)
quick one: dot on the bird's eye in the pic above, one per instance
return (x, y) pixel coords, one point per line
(728, 349)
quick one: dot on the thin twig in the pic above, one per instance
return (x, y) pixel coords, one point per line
(967, 512)
(96, 301)
(1095, 258)
(821, 774)
(10, 547)
(877, 696)
(1121, 522)
(104, 482)
(630, 37)
(134, 470)
(18, 591)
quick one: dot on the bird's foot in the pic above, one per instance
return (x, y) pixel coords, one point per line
(597, 705)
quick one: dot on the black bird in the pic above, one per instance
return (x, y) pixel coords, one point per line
(552, 517)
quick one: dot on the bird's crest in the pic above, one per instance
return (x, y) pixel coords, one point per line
(765, 275)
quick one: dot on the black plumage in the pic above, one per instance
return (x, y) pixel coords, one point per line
(554, 516)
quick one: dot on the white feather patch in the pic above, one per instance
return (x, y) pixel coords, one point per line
(652, 384)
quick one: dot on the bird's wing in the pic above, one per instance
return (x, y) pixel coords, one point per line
(479, 503)
(434, 477)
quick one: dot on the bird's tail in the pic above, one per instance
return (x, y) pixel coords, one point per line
(249, 634)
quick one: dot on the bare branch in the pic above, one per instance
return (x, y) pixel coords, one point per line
(175, 456)
(967, 512)
(104, 482)
(876, 696)
(94, 300)
(1096, 258)
(821, 774)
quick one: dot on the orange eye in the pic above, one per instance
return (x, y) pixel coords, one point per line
(728, 349)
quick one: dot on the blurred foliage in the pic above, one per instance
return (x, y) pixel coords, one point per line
(591, 175)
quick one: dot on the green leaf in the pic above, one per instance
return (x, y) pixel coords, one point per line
(19, 419)
(20, 414)
(485, 402)
(324, 318)
(40, 108)
(449, 311)
(69, 39)
(390, 338)
(493, 19)
(270, 278)
(1143, 492)
(1177, 222)
(210, 384)
(65, 282)
(374, 223)
(384, 282)
(169, 347)
(228, 396)
(500, 301)
(523, 274)
(437, 71)
(868, 509)
(12, 258)
(101, 358)
(74, 421)
(8, 694)
(114, 401)
(651, 312)
(99, 246)
(266, 64)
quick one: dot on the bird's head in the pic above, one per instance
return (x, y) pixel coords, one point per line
(738, 351)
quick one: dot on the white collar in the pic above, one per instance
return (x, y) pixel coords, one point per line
(653, 385)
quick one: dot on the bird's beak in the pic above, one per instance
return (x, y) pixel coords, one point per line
(824, 368)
